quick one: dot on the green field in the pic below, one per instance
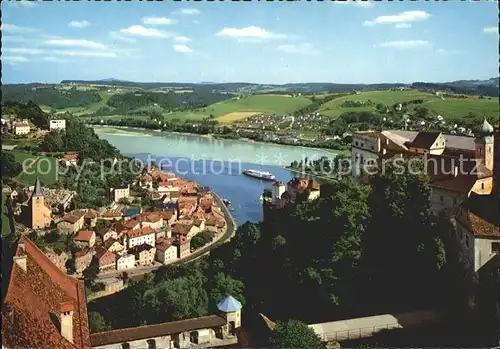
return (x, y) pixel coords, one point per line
(451, 109)
(268, 104)
(448, 108)
(46, 167)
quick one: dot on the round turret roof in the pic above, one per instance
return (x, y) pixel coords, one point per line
(229, 305)
(486, 128)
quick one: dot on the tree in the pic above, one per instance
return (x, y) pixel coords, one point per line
(198, 241)
(399, 205)
(295, 334)
(222, 286)
(97, 323)
(90, 274)
(10, 167)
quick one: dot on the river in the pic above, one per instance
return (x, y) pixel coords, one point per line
(214, 162)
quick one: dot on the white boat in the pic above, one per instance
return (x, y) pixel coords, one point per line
(259, 174)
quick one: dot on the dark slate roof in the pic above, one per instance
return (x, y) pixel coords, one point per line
(425, 139)
(452, 141)
(38, 188)
(152, 331)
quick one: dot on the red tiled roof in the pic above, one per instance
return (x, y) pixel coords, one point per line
(164, 245)
(146, 178)
(167, 214)
(157, 330)
(73, 217)
(91, 214)
(84, 235)
(104, 257)
(139, 232)
(461, 184)
(125, 225)
(43, 289)
(150, 217)
(181, 229)
(71, 156)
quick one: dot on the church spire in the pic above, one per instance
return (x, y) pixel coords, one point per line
(38, 188)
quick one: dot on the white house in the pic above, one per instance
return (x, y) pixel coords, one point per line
(59, 124)
(166, 252)
(120, 193)
(20, 128)
(125, 261)
(138, 237)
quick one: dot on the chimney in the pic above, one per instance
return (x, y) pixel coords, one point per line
(66, 309)
(20, 257)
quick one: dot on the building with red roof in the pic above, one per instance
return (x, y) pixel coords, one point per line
(85, 238)
(43, 307)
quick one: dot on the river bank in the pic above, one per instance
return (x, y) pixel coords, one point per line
(218, 164)
(134, 131)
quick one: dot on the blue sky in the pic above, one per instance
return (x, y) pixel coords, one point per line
(261, 42)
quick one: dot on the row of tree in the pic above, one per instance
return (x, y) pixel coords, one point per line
(50, 96)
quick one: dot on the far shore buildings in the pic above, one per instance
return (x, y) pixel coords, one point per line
(45, 308)
(21, 128)
(57, 124)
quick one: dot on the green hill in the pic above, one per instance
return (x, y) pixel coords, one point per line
(450, 109)
(268, 104)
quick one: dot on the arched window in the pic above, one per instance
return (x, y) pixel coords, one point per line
(151, 344)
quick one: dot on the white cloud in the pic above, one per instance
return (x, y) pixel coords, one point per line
(139, 30)
(359, 3)
(189, 11)
(52, 59)
(249, 32)
(181, 48)
(303, 49)
(157, 20)
(13, 59)
(23, 3)
(23, 50)
(79, 24)
(117, 36)
(402, 26)
(52, 53)
(447, 51)
(76, 43)
(405, 44)
(15, 38)
(16, 29)
(84, 53)
(403, 17)
(182, 39)
(196, 21)
(490, 30)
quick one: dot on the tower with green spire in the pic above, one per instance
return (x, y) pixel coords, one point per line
(484, 144)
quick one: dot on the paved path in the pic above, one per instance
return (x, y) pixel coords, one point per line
(205, 250)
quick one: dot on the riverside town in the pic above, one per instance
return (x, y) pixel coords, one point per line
(340, 191)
